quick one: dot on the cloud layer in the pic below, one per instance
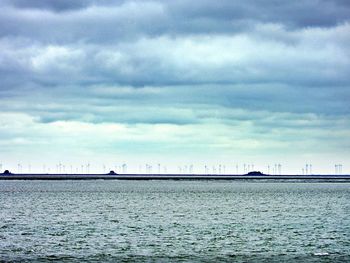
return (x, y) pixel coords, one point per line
(175, 80)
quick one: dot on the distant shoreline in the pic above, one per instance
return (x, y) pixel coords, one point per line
(168, 177)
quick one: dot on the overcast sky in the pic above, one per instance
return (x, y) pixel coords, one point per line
(175, 82)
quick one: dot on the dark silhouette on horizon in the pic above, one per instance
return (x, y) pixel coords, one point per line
(256, 173)
(7, 175)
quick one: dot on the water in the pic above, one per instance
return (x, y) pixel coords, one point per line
(177, 221)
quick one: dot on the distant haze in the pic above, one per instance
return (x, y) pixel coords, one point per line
(175, 82)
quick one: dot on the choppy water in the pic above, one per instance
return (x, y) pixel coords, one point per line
(161, 221)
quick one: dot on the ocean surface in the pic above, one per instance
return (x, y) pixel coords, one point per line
(174, 221)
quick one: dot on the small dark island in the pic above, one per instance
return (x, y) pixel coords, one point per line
(256, 173)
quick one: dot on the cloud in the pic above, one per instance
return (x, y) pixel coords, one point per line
(268, 54)
(102, 22)
(177, 76)
(266, 69)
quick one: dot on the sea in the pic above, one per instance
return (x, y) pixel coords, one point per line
(174, 221)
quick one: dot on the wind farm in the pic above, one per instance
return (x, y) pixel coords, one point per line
(184, 173)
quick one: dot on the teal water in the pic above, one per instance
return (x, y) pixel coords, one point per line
(176, 221)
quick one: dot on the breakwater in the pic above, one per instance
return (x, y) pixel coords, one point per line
(168, 177)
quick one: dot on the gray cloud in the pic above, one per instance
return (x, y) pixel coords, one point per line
(256, 70)
(268, 74)
(100, 21)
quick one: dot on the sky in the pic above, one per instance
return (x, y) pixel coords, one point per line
(177, 83)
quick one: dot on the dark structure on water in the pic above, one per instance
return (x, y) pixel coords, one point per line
(254, 175)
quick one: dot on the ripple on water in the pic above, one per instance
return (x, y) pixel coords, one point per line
(157, 221)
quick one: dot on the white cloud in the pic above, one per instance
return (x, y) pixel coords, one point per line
(52, 58)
